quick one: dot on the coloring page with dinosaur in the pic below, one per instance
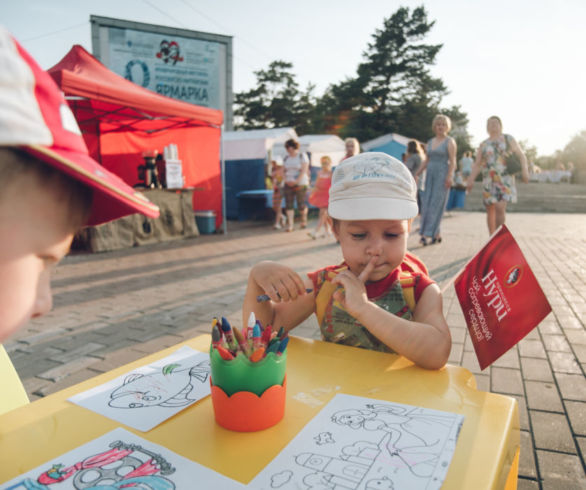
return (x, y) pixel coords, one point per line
(149, 395)
(357, 443)
(118, 460)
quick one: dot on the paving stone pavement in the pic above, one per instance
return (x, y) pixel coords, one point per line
(112, 308)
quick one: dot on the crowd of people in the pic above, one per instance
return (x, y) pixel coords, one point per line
(369, 203)
(442, 181)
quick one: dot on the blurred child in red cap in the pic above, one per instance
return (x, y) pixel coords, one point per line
(50, 186)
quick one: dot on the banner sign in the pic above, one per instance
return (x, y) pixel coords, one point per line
(190, 70)
(500, 297)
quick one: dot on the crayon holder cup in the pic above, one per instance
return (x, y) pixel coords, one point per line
(248, 396)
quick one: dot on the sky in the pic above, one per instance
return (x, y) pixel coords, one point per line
(522, 60)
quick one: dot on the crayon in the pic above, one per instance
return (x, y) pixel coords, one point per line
(281, 332)
(266, 335)
(273, 346)
(274, 341)
(241, 342)
(216, 337)
(251, 320)
(258, 354)
(227, 329)
(256, 338)
(225, 354)
(265, 297)
(250, 325)
(282, 346)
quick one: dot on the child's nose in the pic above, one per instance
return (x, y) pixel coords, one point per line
(44, 299)
(375, 247)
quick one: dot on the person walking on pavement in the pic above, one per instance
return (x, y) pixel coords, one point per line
(498, 187)
(277, 180)
(352, 147)
(320, 196)
(296, 183)
(466, 164)
(440, 164)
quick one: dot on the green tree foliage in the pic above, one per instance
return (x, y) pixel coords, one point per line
(529, 150)
(392, 91)
(575, 151)
(393, 87)
(276, 101)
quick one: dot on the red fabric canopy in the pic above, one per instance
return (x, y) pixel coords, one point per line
(119, 120)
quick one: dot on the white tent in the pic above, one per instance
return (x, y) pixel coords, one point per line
(317, 145)
(255, 143)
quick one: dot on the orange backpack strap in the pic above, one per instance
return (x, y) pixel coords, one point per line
(414, 264)
(408, 282)
(325, 293)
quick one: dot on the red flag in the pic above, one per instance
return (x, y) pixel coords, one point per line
(500, 297)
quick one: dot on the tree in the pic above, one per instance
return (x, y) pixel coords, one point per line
(392, 91)
(529, 150)
(393, 86)
(575, 151)
(276, 101)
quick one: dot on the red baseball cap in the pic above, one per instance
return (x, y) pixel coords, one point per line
(35, 117)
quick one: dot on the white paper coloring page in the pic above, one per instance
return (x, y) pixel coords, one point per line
(359, 443)
(144, 398)
(120, 460)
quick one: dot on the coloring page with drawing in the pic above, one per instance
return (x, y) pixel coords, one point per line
(149, 395)
(119, 460)
(360, 443)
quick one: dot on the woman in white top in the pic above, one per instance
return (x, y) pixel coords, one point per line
(352, 147)
(466, 164)
(296, 167)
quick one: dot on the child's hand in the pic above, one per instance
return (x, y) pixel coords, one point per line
(353, 295)
(279, 282)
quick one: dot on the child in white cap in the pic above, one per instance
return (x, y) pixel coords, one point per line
(50, 188)
(380, 297)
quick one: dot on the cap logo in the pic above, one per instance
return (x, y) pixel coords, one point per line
(371, 171)
(68, 120)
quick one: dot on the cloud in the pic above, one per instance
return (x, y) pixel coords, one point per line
(281, 479)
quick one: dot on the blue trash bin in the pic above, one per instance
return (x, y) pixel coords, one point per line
(456, 199)
(206, 221)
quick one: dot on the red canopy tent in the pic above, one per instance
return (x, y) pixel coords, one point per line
(119, 120)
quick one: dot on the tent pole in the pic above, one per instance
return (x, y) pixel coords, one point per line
(223, 170)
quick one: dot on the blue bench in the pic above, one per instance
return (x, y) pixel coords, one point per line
(256, 204)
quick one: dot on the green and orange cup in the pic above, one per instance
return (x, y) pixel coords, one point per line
(248, 396)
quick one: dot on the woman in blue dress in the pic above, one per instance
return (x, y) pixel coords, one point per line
(440, 164)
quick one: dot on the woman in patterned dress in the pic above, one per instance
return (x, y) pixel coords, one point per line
(440, 164)
(498, 187)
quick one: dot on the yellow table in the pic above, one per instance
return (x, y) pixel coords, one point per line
(486, 455)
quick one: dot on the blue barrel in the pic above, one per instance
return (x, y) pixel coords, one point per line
(206, 221)
(456, 199)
